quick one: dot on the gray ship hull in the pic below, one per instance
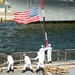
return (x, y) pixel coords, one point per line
(55, 10)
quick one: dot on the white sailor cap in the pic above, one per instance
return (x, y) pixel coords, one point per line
(49, 44)
(42, 46)
(24, 54)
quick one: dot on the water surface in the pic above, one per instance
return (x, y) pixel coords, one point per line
(14, 37)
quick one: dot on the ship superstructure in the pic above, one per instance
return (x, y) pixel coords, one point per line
(6, 12)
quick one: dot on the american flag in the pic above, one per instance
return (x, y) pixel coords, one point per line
(27, 17)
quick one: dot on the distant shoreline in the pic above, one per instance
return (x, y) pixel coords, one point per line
(5, 17)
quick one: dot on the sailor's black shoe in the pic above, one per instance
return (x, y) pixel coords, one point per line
(41, 69)
(37, 70)
(8, 71)
(12, 70)
(31, 70)
(50, 61)
(23, 71)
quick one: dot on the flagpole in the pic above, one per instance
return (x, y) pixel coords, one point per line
(44, 26)
(4, 9)
(3, 3)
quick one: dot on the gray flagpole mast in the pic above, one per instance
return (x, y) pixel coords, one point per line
(5, 9)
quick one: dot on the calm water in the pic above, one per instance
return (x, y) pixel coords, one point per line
(14, 37)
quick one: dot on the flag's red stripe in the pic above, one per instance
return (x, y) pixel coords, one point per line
(28, 20)
(24, 17)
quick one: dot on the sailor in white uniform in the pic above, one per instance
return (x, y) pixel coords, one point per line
(10, 62)
(49, 53)
(40, 65)
(42, 51)
(27, 63)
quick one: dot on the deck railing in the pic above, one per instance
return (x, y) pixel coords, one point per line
(57, 55)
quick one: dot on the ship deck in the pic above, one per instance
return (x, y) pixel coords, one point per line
(62, 65)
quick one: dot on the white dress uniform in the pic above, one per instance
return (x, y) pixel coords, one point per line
(10, 62)
(27, 62)
(42, 51)
(49, 53)
(40, 60)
